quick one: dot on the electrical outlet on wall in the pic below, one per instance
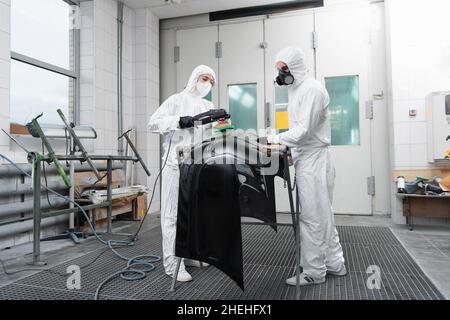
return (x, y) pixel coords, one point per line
(413, 113)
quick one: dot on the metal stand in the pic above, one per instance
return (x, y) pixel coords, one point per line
(109, 196)
(37, 159)
(70, 233)
(175, 276)
(36, 177)
(71, 230)
(295, 224)
(295, 213)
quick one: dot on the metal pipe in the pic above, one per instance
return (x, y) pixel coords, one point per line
(74, 142)
(36, 212)
(86, 208)
(18, 189)
(8, 170)
(26, 217)
(136, 153)
(72, 197)
(77, 65)
(10, 209)
(109, 193)
(25, 226)
(295, 224)
(119, 74)
(43, 65)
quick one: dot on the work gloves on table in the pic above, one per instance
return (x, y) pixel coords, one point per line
(204, 118)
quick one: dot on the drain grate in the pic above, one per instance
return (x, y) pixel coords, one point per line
(268, 261)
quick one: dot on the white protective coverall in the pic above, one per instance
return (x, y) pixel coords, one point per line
(165, 121)
(309, 137)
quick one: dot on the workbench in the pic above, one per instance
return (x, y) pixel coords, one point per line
(424, 206)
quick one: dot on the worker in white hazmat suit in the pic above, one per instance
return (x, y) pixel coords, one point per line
(309, 137)
(174, 120)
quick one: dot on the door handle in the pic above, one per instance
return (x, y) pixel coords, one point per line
(379, 96)
(267, 114)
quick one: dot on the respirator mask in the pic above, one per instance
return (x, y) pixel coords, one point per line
(204, 88)
(285, 78)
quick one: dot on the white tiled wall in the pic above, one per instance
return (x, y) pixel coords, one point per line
(140, 79)
(87, 64)
(105, 35)
(5, 44)
(128, 99)
(146, 90)
(420, 58)
(98, 105)
(419, 54)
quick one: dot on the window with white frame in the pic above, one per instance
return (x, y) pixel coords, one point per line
(44, 42)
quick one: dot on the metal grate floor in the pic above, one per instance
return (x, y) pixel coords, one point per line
(268, 261)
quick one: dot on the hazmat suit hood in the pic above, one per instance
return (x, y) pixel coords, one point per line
(196, 73)
(188, 102)
(295, 59)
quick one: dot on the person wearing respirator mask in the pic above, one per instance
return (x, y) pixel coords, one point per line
(309, 137)
(204, 88)
(177, 114)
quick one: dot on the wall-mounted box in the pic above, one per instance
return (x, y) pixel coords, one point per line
(438, 127)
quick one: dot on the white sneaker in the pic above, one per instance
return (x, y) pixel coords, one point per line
(183, 276)
(305, 280)
(340, 273)
(194, 263)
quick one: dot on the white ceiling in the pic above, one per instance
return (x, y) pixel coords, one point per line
(165, 10)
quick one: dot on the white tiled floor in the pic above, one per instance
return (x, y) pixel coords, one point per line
(430, 248)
